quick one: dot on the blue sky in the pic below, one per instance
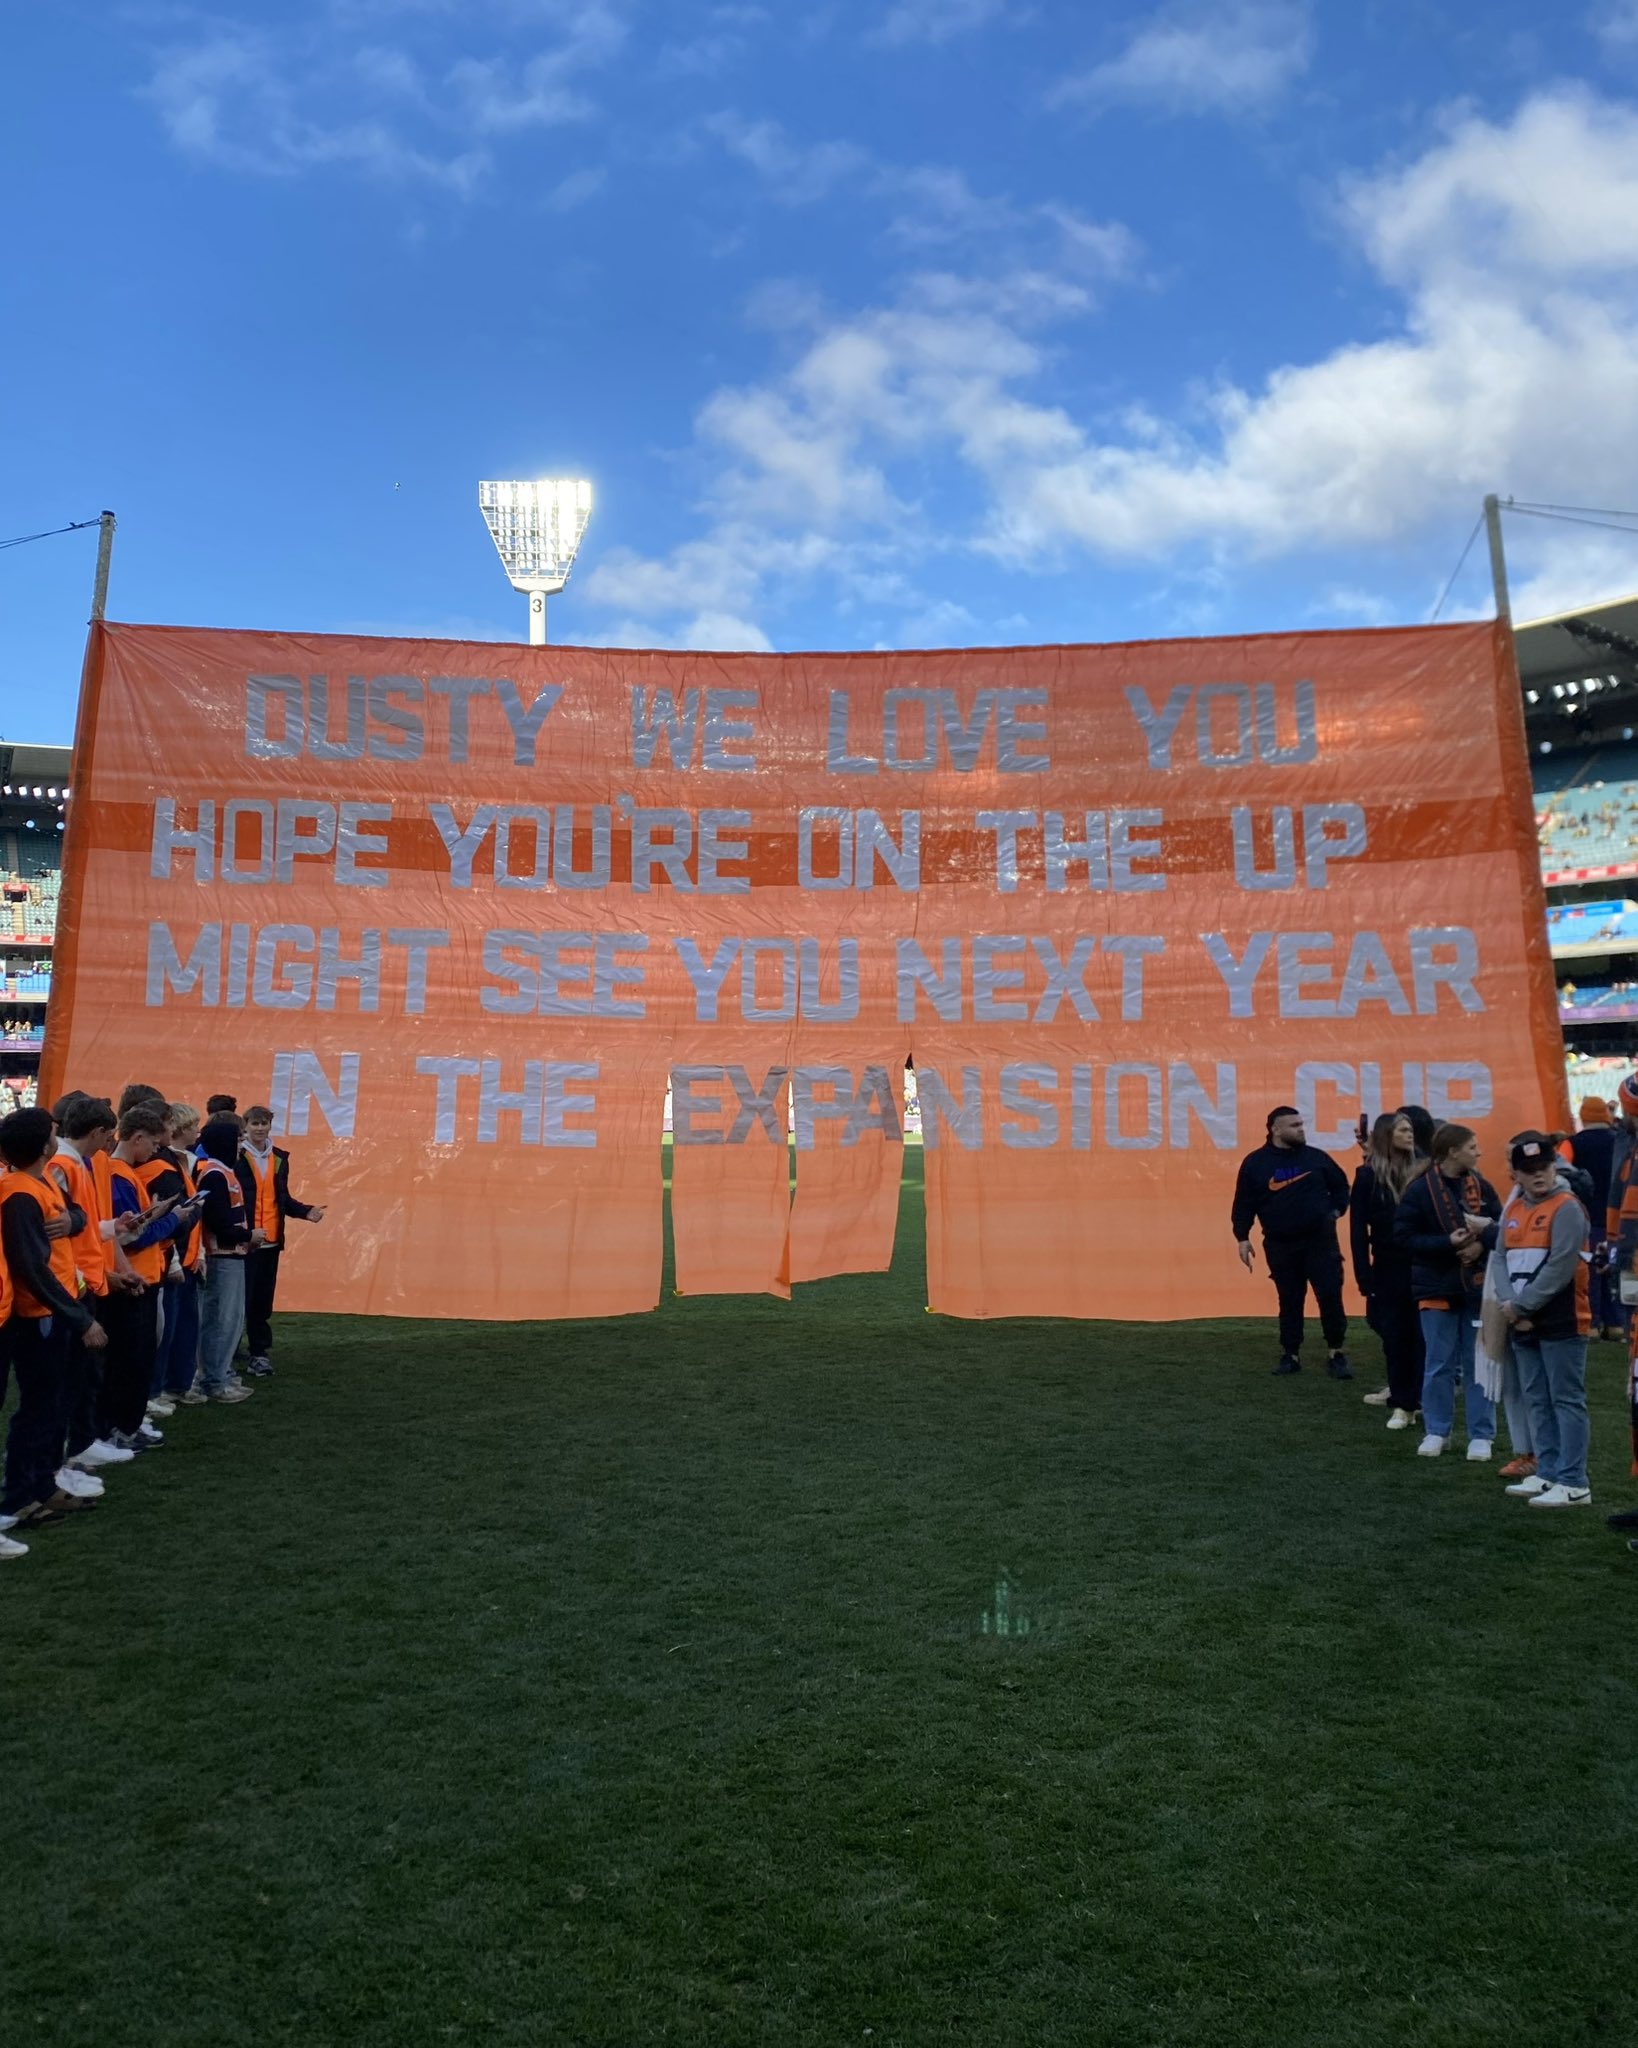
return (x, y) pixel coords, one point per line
(931, 323)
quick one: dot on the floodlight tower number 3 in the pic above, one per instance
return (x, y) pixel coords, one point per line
(537, 530)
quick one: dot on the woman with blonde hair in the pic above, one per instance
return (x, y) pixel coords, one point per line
(1381, 1269)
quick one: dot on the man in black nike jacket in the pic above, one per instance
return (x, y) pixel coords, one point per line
(1296, 1193)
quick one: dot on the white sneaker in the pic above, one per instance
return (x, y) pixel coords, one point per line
(102, 1452)
(163, 1406)
(1564, 1497)
(9, 1547)
(1478, 1451)
(1377, 1400)
(1432, 1446)
(1527, 1489)
(1401, 1418)
(81, 1484)
(149, 1434)
(7, 1522)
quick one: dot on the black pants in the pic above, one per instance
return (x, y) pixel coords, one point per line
(132, 1323)
(36, 1350)
(261, 1284)
(82, 1420)
(1295, 1265)
(1391, 1311)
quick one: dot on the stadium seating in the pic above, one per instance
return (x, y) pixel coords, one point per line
(1613, 921)
(1616, 1004)
(1587, 809)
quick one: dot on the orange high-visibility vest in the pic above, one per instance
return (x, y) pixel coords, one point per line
(24, 1187)
(102, 1179)
(189, 1251)
(1526, 1238)
(90, 1254)
(268, 1218)
(149, 1263)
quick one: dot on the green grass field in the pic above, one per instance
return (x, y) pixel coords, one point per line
(628, 1682)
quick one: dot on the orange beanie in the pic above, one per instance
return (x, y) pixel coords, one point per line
(1594, 1110)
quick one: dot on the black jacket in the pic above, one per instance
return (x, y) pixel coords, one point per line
(1437, 1274)
(1292, 1194)
(227, 1229)
(1379, 1264)
(28, 1257)
(1593, 1150)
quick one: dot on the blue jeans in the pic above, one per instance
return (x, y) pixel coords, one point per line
(1554, 1372)
(221, 1318)
(1448, 1335)
(177, 1359)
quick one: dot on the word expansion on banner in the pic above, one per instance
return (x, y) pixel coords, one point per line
(556, 856)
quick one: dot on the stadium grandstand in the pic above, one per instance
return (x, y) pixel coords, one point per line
(1579, 673)
(34, 784)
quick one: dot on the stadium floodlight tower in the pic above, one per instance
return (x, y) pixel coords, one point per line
(537, 530)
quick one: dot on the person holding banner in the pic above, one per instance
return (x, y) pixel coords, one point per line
(1297, 1193)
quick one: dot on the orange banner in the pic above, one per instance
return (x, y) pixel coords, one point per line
(463, 913)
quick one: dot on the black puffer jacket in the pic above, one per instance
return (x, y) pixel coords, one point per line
(1437, 1273)
(1379, 1264)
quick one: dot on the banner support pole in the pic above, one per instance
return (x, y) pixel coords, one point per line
(1498, 559)
(105, 556)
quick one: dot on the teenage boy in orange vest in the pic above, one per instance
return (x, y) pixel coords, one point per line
(132, 1320)
(1539, 1272)
(48, 1318)
(264, 1174)
(86, 1129)
(9, 1546)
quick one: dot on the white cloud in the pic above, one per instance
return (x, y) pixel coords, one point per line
(705, 632)
(1517, 249)
(723, 39)
(796, 173)
(1512, 247)
(1239, 59)
(934, 206)
(308, 95)
(1569, 567)
(227, 101)
(934, 21)
(1616, 25)
(500, 95)
(575, 189)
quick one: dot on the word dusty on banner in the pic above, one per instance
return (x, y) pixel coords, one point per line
(912, 729)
